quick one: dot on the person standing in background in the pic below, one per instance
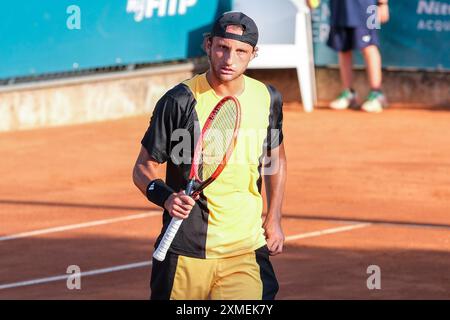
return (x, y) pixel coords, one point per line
(352, 28)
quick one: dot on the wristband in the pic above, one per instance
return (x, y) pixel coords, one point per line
(158, 192)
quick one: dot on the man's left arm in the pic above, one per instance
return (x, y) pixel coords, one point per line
(275, 184)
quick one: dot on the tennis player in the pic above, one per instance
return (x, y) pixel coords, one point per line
(222, 248)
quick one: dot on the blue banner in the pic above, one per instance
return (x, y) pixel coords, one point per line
(417, 35)
(47, 36)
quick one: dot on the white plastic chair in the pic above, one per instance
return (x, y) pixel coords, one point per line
(285, 40)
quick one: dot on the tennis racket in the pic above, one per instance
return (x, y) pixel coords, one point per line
(211, 154)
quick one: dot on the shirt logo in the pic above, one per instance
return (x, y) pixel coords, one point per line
(366, 38)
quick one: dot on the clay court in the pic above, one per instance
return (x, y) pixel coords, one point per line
(362, 190)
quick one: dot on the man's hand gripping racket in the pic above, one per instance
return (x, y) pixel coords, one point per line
(212, 152)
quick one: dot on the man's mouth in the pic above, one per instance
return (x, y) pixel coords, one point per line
(226, 70)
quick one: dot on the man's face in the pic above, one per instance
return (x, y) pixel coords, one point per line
(228, 58)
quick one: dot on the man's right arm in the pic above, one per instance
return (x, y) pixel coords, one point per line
(146, 171)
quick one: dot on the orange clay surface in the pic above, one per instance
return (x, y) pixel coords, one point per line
(386, 175)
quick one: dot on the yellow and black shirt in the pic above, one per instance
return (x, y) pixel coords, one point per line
(226, 221)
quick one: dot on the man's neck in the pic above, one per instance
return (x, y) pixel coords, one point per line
(230, 88)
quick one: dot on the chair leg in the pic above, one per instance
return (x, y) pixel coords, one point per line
(305, 67)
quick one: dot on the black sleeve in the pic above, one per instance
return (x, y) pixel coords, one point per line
(275, 129)
(164, 121)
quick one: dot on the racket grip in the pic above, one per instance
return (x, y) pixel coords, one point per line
(169, 235)
(171, 231)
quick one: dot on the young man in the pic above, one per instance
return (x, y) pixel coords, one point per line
(351, 30)
(222, 248)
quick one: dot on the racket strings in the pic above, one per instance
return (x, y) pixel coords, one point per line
(217, 139)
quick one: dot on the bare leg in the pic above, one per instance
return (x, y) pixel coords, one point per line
(346, 68)
(346, 99)
(372, 57)
(376, 101)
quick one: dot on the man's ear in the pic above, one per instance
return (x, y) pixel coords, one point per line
(254, 53)
(207, 42)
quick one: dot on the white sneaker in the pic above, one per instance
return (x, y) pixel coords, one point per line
(375, 103)
(346, 99)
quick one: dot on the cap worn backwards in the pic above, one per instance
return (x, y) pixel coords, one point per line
(249, 29)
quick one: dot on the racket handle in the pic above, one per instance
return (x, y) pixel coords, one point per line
(189, 187)
(169, 235)
(172, 229)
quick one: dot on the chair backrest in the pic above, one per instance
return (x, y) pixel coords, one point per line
(285, 40)
(276, 19)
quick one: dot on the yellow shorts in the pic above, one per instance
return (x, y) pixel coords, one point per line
(245, 277)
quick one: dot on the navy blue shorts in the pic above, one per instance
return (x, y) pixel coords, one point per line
(347, 38)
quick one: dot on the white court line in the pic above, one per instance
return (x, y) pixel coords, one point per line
(79, 225)
(82, 274)
(149, 263)
(327, 231)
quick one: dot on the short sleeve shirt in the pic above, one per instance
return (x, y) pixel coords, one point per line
(350, 13)
(226, 220)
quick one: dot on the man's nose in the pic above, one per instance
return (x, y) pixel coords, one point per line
(229, 58)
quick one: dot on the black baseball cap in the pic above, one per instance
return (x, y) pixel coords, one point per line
(250, 30)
